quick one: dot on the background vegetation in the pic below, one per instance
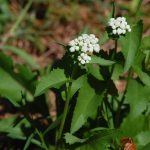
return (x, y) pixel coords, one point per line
(32, 33)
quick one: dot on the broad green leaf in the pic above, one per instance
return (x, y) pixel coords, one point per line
(146, 147)
(10, 86)
(143, 138)
(7, 89)
(7, 125)
(101, 61)
(25, 73)
(13, 131)
(94, 70)
(137, 66)
(118, 70)
(86, 106)
(130, 44)
(77, 84)
(71, 139)
(100, 140)
(104, 38)
(131, 126)
(145, 78)
(138, 97)
(52, 79)
(21, 53)
(145, 45)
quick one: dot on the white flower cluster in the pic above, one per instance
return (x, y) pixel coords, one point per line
(84, 46)
(119, 26)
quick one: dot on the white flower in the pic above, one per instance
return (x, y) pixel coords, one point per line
(72, 43)
(77, 48)
(82, 61)
(96, 48)
(122, 26)
(114, 31)
(119, 25)
(119, 31)
(72, 49)
(81, 43)
(83, 47)
(127, 27)
(114, 27)
(76, 40)
(129, 30)
(92, 35)
(123, 31)
(80, 38)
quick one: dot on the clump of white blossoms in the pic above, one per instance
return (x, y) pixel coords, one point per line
(83, 47)
(119, 25)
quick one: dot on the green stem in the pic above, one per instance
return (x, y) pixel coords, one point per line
(42, 140)
(65, 109)
(113, 56)
(113, 9)
(122, 100)
(106, 102)
(64, 115)
(19, 20)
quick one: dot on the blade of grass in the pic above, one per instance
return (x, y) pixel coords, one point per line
(27, 144)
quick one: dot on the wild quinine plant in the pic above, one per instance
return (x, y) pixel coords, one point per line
(92, 113)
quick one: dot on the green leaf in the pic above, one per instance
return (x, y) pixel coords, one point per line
(137, 66)
(10, 86)
(71, 139)
(100, 140)
(130, 44)
(145, 45)
(94, 70)
(143, 138)
(118, 70)
(138, 97)
(7, 125)
(145, 78)
(52, 79)
(77, 84)
(53, 125)
(146, 147)
(101, 61)
(104, 38)
(20, 52)
(86, 106)
(131, 126)
(28, 141)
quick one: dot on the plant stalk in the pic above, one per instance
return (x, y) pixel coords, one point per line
(122, 99)
(64, 116)
(113, 56)
(66, 108)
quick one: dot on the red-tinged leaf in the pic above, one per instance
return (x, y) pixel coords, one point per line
(127, 144)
